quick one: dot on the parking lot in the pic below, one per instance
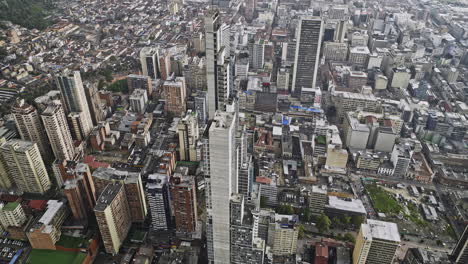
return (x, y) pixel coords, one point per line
(9, 248)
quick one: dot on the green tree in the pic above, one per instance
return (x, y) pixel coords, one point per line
(300, 230)
(3, 53)
(323, 223)
(346, 220)
(349, 237)
(336, 221)
(357, 220)
(307, 215)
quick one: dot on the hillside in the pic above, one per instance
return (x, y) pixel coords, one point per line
(27, 13)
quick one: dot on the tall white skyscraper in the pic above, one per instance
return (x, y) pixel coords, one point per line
(58, 132)
(306, 62)
(218, 71)
(221, 182)
(74, 98)
(30, 127)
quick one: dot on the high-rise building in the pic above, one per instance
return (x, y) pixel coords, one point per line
(6, 181)
(133, 188)
(12, 214)
(25, 166)
(221, 181)
(184, 199)
(149, 62)
(30, 126)
(309, 39)
(282, 235)
(157, 190)
(376, 243)
(74, 98)
(187, 129)
(318, 199)
(94, 101)
(250, 9)
(175, 93)
(257, 54)
(135, 81)
(218, 71)
(460, 252)
(113, 216)
(138, 100)
(58, 132)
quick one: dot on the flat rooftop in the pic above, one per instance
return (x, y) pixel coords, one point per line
(107, 196)
(375, 229)
(350, 205)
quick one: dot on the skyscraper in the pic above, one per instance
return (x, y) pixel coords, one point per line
(58, 132)
(218, 71)
(30, 126)
(257, 54)
(376, 243)
(25, 166)
(135, 81)
(113, 216)
(460, 252)
(157, 190)
(221, 181)
(309, 38)
(175, 93)
(149, 62)
(74, 98)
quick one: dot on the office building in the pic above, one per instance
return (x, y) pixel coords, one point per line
(58, 132)
(157, 190)
(149, 62)
(135, 81)
(184, 197)
(138, 100)
(256, 54)
(309, 38)
(401, 159)
(30, 126)
(24, 164)
(133, 188)
(376, 243)
(283, 234)
(96, 108)
(221, 182)
(12, 214)
(359, 55)
(187, 129)
(282, 79)
(460, 252)
(318, 199)
(44, 233)
(347, 102)
(335, 51)
(74, 99)
(113, 217)
(175, 94)
(6, 181)
(218, 71)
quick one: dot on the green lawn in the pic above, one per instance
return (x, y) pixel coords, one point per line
(415, 216)
(71, 242)
(42, 256)
(383, 202)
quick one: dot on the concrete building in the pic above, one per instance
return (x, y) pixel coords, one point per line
(149, 62)
(335, 51)
(157, 190)
(187, 129)
(133, 188)
(356, 80)
(256, 54)
(385, 139)
(401, 159)
(282, 235)
(359, 55)
(12, 214)
(184, 196)
(221, 181)
(381, 82)
(135, 81)
(58, 132)
(44, 233)
(25, 167)
(113, 217)
(347, 102)
(218, 70)
(74, 99)
(318, 198)
(400, 78)
(460, 251)
(175, 94)
(242, 68)
(309, 39)
(376, 243)
(356, 133)
(30, 127)
(282, 79)
(138, 101)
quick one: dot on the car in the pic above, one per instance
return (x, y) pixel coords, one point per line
(10, 255)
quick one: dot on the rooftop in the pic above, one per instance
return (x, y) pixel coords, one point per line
(10, 206)
(107, 196)
(353, 205)
(375, 229)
